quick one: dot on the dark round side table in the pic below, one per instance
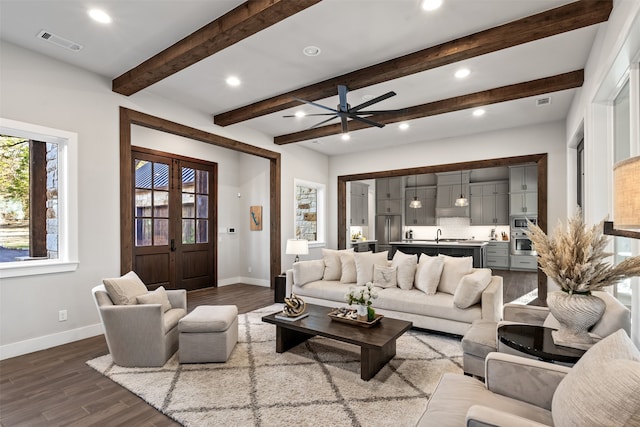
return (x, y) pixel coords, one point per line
(537, 341)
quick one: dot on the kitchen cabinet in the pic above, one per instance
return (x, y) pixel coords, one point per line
(524, 263)
(389, 196)
(359, 204)
(389, 207)
(489, 203)
(426, 215)
(498, 255)
(523, 203)
(459, 249)
(523, 178)
(450, 186)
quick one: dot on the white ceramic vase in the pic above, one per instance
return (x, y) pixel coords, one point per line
(576, 314)
(361, 310)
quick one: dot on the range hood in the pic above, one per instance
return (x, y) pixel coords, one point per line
(453, 212)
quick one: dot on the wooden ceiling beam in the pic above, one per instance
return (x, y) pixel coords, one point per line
(236, 25)
(545, 85)
(565, 18)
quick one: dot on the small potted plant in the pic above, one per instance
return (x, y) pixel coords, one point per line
(363, 298)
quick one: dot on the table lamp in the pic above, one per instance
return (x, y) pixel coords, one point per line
(297, 247)
(626, 199)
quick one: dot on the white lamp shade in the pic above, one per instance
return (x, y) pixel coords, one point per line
(626, 196)
(297, 247)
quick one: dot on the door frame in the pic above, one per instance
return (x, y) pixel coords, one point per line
(130, 117)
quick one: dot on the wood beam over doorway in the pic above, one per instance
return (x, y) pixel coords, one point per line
(535, 27)
(243, 21)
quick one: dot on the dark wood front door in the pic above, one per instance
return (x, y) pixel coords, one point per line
(174, 221)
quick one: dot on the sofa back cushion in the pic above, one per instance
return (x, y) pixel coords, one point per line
(332, 263)
(307, 271)
(603, 388)
(364, 265)
(452, 272)
(125, 289)
(406, 265)
(348, 266)
(469, 290)
(428, 273)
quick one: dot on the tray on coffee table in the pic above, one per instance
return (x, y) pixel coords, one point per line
(334, 316)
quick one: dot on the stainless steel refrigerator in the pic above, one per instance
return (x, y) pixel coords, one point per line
(388, 229)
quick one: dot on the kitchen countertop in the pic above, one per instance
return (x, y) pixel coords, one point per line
(442, 243)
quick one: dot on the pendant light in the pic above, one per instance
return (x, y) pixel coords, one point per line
(415, 203)
(461, 201)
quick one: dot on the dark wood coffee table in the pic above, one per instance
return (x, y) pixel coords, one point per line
(377, 344)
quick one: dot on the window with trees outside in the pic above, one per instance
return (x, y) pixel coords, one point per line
(309, 212)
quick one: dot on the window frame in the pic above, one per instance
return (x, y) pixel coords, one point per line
(67, 143)
(321, 217)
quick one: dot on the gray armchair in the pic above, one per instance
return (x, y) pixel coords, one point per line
(141, 334)
(603, 388)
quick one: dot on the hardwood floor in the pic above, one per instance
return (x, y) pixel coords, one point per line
(55, 387)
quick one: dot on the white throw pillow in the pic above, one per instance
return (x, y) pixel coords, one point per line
(454, 269)
(159, 296)
(384, 277)
(348, 266)
(332, 263)
(307, 271)
(470, 288)
(429, 272)
(364, 265)
(124, 290)
(406, 265)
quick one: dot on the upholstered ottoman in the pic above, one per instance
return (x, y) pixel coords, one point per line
(208, 334)
(479, 341)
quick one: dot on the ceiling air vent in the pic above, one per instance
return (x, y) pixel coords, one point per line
(540, 102)
(59, 41)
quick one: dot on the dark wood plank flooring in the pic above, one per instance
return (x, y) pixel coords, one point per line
(55, 387)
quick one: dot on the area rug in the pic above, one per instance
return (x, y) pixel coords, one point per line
(316, 383)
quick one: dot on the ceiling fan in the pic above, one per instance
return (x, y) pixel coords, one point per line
(344, 111)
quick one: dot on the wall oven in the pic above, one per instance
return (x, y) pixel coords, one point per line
(520, 243)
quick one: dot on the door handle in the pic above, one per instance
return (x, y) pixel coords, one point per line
(173, 245)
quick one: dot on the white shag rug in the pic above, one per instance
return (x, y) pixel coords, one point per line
(316, 383)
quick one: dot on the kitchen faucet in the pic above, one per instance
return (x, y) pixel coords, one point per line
(438, 234)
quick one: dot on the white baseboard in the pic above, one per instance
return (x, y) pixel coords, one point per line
(47, 341)
(247, 280)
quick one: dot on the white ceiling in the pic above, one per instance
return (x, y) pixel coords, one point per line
(352, 34)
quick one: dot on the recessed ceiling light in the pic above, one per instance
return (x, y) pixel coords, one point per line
(403, 126)
(479, 112)
(346, 137)
(367, 97)
(430, 5)
(311, 51)
(462, 73)
(99, 16)
(300, 114)
(233, 81)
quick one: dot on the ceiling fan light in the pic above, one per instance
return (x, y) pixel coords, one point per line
(345, 137)
(415, 204)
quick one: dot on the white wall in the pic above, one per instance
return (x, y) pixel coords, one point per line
(36, 89)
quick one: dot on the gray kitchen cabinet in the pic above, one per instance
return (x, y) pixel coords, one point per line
(523, 203)
(426, 215)
(524, 263)
(498, 255)
(359, 204)
(389, 196)
(489, 203)
(389, 206)
(523, 178)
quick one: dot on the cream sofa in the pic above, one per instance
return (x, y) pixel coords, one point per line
(438, 293)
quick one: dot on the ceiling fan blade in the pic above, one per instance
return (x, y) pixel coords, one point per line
(324, 121)
(372, 112)
(314, 104)
(367, 121)
(342, 95)
(310, 115)
(372, 101)
(345, 128)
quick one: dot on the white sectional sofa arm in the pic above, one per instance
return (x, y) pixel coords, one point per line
(483, 416)
(492, 300)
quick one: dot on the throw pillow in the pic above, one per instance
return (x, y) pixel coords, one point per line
(307, 271)
(602, 388)
(348, 266)
(454, 269)
(406, 265)
(124, 290)
(384, 277)
(470, 288)
(364, 265)
(428, 274)
(332, 263)
(159, 296)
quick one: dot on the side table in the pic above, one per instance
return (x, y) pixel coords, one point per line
(537, 341)
(280, 288)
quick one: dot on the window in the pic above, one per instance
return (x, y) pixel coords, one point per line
(38, 231)
(309, 212)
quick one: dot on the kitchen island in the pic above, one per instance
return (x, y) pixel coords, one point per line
(452, 247)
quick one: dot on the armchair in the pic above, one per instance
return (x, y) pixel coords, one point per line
(603, 388)
(140, 334)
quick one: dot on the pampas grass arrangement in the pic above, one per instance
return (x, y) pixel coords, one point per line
(574, 257)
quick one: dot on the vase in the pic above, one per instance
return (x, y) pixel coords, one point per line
(575, 313)
(361, 311)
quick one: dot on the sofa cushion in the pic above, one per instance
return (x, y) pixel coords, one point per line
(428, 273)
(323, 289)
(332, 263)
(603, 387)
(159, 296)
(307, 271)
(453, 270)
(364, 265)
(125, 289)
(406, 265)
(384, 277)
(348, 266)
(469, 290)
